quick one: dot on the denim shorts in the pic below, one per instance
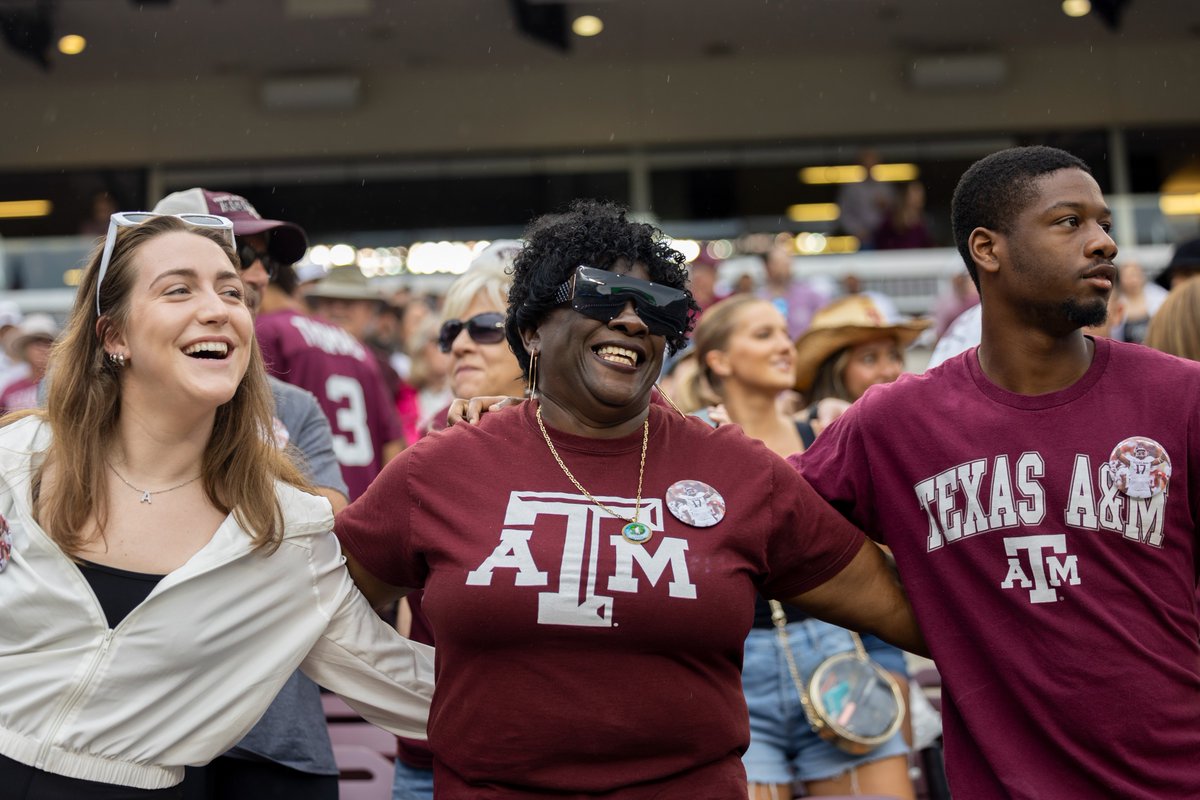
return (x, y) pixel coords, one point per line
(411, 783)
(783, 747)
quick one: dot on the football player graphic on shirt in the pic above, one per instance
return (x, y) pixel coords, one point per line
(1142, 468)
(1138, 481)
(695, 504)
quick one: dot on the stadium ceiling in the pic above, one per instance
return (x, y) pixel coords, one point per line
(170, 39)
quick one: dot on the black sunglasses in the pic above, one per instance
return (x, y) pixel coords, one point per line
(248, 255)
(485, 328)
(601, 295)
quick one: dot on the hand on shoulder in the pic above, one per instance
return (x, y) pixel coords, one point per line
(471, 410)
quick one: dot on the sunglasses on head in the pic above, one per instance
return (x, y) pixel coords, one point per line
(131, 219)
(486, 328)
(248, 255)
(602, 295)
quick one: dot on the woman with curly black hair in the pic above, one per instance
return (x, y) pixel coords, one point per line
(590, 560)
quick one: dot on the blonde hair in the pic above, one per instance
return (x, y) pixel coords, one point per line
(489, 276)
(713, 333)
(240, 464)
(1175, 327)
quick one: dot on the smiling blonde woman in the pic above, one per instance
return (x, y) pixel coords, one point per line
(747, 360)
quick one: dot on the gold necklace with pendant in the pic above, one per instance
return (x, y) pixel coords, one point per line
(634, 531)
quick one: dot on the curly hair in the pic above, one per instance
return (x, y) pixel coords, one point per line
(595, 234)
(997, 188)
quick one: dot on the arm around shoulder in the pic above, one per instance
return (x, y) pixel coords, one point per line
(374, 536)
(866, 595)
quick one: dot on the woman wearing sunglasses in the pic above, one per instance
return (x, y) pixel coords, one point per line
(472, 331)
(590, 560)
(163, 565)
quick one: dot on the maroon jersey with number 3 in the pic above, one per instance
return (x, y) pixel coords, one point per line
(324, 359)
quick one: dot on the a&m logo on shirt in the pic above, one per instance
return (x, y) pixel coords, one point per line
(579, 594)
(1124, 495)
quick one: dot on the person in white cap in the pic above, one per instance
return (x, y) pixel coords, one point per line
(289, 748)
(29, 345)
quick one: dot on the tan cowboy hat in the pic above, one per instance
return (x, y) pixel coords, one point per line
(846, 322)
(345, 283)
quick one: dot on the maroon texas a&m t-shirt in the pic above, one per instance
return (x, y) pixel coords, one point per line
(569, 660)
(324, 359)
(1049, 548)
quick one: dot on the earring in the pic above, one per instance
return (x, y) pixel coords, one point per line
(533, 359)
(117, 359)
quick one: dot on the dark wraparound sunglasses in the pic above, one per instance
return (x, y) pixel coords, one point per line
(249, 255)
(486, 328)
(601, 295)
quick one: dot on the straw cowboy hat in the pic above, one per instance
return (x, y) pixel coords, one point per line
(345, 283)
(843, 323)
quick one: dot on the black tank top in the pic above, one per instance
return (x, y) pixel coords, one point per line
(762, 609)
(119, 591)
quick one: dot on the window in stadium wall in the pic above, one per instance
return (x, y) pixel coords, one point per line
(759, 196)
(77, 201)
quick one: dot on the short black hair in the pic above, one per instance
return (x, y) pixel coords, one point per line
(996, 189)
(592, 233)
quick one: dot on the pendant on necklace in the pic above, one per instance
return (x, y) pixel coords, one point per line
(637, 532)
(146, 496)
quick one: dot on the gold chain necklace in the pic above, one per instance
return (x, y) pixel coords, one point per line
(146, 493)
(634, 531)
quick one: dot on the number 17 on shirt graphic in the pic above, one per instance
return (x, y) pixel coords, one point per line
(1140, 467)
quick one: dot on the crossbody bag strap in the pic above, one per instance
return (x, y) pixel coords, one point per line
(779, 618)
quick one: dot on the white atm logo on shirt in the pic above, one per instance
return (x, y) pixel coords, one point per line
(575, 601)
(1039, 564)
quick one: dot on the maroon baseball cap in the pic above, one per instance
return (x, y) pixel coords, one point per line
(287, 241)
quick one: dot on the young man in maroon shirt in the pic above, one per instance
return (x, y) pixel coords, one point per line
(1051, 567)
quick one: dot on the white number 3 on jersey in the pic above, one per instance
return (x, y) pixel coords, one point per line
(351, 436)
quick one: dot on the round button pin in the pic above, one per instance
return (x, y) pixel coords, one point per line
(695, 503)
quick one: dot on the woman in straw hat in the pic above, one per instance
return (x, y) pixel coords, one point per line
(747, 360)
(852, 344)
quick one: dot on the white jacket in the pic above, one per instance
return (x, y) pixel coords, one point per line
(192, 668)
